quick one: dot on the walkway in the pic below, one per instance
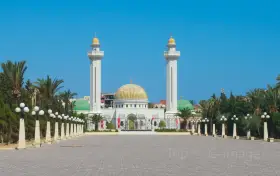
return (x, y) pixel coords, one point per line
(146, 156)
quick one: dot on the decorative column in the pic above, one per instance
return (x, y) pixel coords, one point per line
(95, 56)
(36, 112)
(62, 133)
(205, 121)
(198, 128)
(48, 130)
(265, 117)
(214, 130)
(171, 56)
(247, 119)
(192, 127)
(234, 133)
(67, 127)
(223, 120)
(21, 137)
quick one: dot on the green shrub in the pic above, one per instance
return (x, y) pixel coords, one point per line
(110, 126)
(162, 124)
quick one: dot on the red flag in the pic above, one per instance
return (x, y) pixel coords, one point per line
(177, 121)
(119, 122)
(153, 118)
(102, 125)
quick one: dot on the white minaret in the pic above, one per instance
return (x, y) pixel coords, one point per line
(95, 56)
(171, 56)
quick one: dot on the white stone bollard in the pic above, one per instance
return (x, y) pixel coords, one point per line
(192, 128)
(214, 130)
(62, 135)
(205, 129)
(234, 130)
(55, 138)
(265, 131)
(48, 133)
(248, 134)
(37, 140)
(67, 130)
(223, 130)
(21, 137)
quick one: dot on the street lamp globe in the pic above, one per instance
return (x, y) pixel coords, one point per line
(56, 113)
(26, 109)
(17, 109)
(50, 111)
(41, 112)
(236, 118)
(36, 108)
(62, 115)
(268, 116)
(22, 105)
(33, 113)
(262, 116)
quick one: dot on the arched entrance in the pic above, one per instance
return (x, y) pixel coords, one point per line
(135, 123)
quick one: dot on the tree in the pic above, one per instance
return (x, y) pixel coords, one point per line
(95, 119)
(110, 125)
(15, 73)
(184, 114)
(162, 124)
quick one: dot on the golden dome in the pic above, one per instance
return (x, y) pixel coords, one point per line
(131, 92)
(95, 41)
(171, 40)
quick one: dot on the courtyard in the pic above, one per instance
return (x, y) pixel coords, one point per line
(133, 155)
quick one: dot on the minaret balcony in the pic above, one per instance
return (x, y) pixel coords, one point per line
(96, 53)
(171, 53)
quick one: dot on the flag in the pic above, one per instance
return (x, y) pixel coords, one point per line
(119, 122)
(102, 124)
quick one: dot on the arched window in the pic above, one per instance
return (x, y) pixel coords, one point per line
(135, 105)
(122, 123)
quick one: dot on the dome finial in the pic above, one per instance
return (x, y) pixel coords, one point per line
(95, 40)
(130, 81)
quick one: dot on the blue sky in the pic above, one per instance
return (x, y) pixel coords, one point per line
(224, 44)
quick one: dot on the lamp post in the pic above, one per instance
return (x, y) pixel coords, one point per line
(36, 113)
(67, 126)
(70, 127)
(234, 133)
(21, 137)
(48, 132)
(62, 134)
(223, 120)
(205, 121)
(265, 116)
(198, 127)
(55, 116)
(192, 121)
(214, 130)
(247, 118)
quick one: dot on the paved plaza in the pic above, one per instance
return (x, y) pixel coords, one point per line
(149, 155)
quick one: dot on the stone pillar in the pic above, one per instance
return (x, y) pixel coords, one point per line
(214, 129)
(37, 141)
(62, 131)
(205, 129)
(248, 134)
(55, 138)
(198, 129)
(223, 129)
(265, 131)
(21, 137)
(234, 130)
(192, 128)
(48, 132)
(67, 130)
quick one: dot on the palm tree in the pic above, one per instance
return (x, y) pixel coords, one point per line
(184, 114)
(48, 88)
(15, 73)
(66, 97)
(256, 98)
(96, 118)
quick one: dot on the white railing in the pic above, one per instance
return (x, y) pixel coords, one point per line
(98, 53)
(172, 53)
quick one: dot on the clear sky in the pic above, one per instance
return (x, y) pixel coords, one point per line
(224, 44)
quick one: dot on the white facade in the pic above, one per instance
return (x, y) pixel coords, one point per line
(131, 100)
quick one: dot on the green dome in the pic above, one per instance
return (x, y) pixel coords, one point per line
(81, 105)
(183, 104)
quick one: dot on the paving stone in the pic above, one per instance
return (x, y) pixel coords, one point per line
(145, 156)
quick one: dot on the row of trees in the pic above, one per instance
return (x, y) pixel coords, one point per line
(44, 92)
(255, 103)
